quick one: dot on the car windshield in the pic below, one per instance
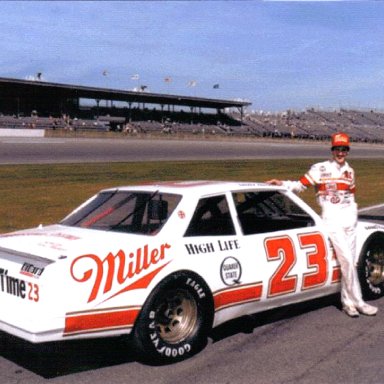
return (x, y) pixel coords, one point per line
(125, 211)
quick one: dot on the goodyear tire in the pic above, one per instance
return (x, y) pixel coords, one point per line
(371, 267)
(175, 320)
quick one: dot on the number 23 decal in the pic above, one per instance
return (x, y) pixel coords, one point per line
(33, 292)
(282, 248)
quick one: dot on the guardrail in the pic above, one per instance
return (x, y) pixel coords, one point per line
(14, 132)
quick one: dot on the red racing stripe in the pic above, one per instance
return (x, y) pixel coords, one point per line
(239, 295)
(101, 320)
(336, 274)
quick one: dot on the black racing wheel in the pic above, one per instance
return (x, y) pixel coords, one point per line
(175, 319)
(371, 267)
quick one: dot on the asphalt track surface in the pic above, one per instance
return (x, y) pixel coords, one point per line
(308, 343)
(56, 150)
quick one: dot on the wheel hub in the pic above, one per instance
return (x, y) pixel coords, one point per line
(375, 266)
(176, 316)
(376, 274)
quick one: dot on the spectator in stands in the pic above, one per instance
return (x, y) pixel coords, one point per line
(334, 181)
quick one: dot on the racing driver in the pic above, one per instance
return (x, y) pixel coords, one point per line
(334, 183)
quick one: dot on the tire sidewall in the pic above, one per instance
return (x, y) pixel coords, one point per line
(147, 338)
(369, 290)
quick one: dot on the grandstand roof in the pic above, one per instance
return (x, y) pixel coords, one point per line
(46, 90)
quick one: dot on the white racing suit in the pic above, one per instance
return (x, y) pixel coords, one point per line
(335, 187)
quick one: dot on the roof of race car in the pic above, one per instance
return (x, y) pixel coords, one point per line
(195, 186)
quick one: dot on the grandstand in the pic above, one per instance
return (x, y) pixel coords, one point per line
(65, 104)
(312, 124)
(51, 106)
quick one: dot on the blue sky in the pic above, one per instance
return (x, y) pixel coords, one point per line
(277, 54)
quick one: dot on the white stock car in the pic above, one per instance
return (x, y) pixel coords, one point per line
(167, 262)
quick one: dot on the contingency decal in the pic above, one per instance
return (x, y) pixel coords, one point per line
(112, 275)
(31, 270)
(230, 271)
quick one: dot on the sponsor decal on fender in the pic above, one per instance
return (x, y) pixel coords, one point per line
(18, 287)
(115, 271)
(230, 271)
(31, 270)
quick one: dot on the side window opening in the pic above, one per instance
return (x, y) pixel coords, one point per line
(211, 218)
(269, 211)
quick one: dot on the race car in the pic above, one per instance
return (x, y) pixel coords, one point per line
(164, 263)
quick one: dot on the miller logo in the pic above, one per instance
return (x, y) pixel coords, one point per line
(113, 274)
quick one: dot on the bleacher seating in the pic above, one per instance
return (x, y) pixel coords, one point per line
(311, 124)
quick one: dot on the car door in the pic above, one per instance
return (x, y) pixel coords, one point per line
(289, 255)
(212, 240)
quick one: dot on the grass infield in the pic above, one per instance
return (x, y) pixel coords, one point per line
(34, 194)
